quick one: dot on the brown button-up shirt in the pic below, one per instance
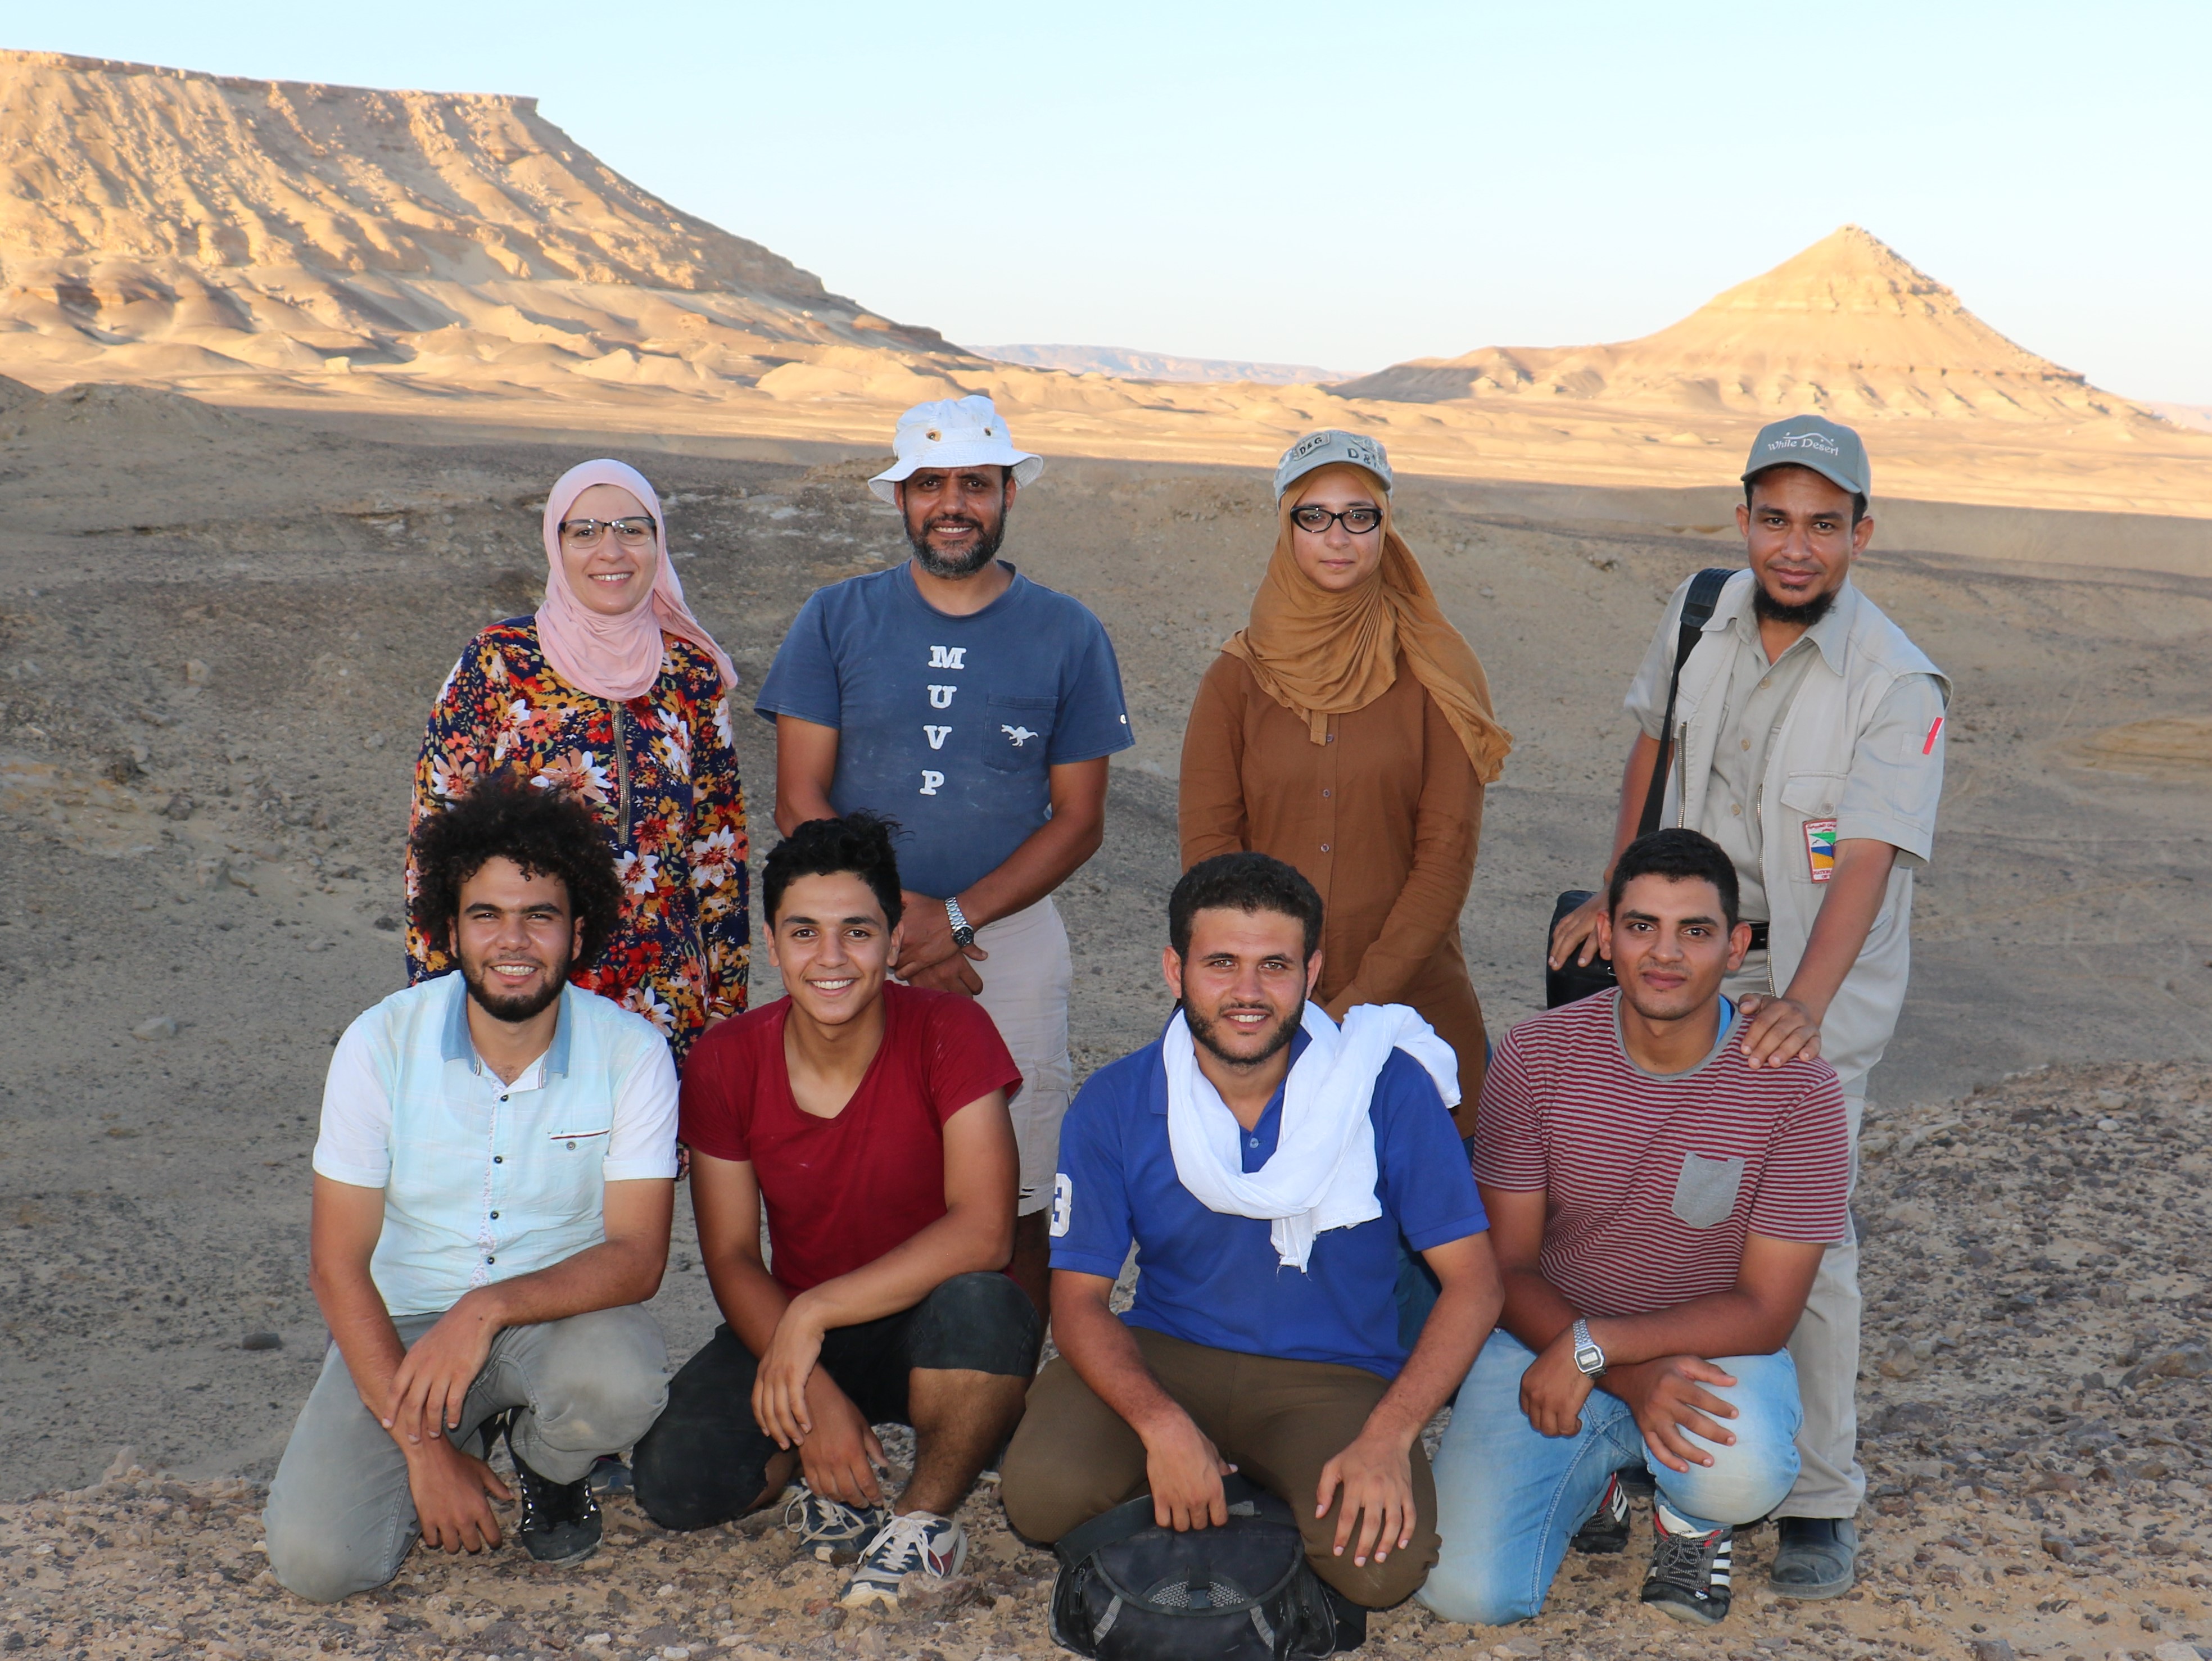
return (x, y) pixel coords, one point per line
(1383, 820)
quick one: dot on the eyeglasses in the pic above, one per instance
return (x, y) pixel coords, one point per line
(632, 532)
(1317, 519)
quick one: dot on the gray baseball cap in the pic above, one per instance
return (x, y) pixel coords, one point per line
(1326, 449)
(1834, 450)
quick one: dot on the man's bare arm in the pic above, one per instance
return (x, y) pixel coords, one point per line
(1046, 857)
(451, 1489)
(1184, 1468)
(806, 766)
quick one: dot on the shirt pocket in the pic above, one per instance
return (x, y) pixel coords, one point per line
(1018, 733)
(1704, 1194)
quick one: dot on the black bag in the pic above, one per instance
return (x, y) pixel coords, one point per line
(1131, 1590)
(1573, 982)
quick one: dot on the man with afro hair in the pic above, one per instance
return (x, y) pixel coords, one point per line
(492, 1183)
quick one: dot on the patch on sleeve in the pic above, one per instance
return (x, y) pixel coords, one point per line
(1821, 848)
(1063, 1204)
(1935, 728)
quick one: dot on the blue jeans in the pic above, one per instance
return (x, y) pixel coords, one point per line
(1509, 1498)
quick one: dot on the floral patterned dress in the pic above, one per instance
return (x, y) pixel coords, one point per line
(660, 770)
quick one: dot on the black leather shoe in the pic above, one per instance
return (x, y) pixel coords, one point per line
(561, 1521)
(1813, 1556)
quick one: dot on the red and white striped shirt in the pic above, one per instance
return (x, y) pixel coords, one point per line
(1652, 1184)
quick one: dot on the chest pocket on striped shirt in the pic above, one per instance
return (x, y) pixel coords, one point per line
(1704, 1194)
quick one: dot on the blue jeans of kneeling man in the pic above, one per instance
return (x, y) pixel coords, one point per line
(1509, 1498)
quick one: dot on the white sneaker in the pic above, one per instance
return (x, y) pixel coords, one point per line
(919, 1542)
(833, 1530)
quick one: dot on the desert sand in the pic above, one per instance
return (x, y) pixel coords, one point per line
(223, 615)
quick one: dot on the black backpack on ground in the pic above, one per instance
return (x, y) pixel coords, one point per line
(1131, 1590)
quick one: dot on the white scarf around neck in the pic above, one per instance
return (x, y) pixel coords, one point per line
(1322, 1173)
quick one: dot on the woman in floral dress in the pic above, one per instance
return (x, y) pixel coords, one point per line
(614, 691)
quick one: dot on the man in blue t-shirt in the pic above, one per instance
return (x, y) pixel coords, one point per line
(977, 709)
(1265, 1162)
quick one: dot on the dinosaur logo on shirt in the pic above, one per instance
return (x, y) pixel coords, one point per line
(1020, 735)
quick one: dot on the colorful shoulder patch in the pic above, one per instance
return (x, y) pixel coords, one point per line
(1821, 848)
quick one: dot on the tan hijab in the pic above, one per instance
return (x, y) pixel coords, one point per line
(1319, 654)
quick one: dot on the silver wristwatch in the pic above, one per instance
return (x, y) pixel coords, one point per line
(1590, 1360)
(963, 931)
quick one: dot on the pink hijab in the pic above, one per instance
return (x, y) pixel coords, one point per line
(616, 657)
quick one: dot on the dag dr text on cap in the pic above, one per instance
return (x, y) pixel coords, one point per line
(1830, 449)
(953, 432)
(1327, 448)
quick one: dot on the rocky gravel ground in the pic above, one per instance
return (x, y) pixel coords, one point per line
(2036, 1395)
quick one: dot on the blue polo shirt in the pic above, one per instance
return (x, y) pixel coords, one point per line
(1212, 1279)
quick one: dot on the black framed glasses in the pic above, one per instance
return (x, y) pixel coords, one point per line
(632, 532)
(1317, 519)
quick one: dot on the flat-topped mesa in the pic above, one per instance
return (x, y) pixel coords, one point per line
(165, 223)
(1849, 326)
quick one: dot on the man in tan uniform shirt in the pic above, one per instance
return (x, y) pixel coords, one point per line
(1808, 742)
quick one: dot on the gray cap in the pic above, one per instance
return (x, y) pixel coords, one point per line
(1327, 449)
(1834, 450)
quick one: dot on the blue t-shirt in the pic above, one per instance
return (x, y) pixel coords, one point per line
(948, 724)
(1208, 1277)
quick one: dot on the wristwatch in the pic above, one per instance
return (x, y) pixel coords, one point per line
(1590, 1360)
(963, 931)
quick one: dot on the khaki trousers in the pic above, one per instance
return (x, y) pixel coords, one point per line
(1825, 1345)
(1026, 981)
(1278, 1422)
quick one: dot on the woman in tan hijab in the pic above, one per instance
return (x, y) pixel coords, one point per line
(1347, 730)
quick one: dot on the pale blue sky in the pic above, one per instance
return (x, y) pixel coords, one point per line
(1349, 185)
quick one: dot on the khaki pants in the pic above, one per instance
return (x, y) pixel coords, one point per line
(1025, 987)
(1825, 1345)
(1278, 1422)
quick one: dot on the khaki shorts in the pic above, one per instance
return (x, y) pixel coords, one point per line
(1025, 987)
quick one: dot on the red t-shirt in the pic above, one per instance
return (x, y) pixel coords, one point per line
(841, 1192)
(1651, 1185)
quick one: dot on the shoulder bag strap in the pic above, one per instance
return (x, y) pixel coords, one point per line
(1696, 611)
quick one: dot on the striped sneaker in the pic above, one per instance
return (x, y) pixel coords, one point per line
(1606, 1531)
(919, 1542)
(1689, 1574)
(829, 1529)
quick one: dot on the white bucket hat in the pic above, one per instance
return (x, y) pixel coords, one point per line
(953, 432)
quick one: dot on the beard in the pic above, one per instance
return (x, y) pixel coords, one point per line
(1203, 1032)
(955, 566)
(1767, 609)
(514, 1010)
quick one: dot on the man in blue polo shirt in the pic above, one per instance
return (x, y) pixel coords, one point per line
(977, 709)
(1265, 1162)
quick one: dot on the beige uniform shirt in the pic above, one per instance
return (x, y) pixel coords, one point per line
(1888, 798)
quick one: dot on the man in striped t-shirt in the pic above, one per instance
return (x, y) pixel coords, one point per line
(1659, 1203)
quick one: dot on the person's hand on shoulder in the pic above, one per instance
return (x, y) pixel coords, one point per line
(1578, 930)
(1776, 1031)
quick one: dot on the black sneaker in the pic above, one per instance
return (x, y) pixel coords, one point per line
(561, 1521)
(1689, 1574)
(1606, 1531)
(1813, 1556)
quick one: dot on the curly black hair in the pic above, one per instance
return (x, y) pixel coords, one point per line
(545, 832)
(1247, 882)
(860, 842)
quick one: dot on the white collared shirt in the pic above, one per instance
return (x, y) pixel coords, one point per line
(484, 1180)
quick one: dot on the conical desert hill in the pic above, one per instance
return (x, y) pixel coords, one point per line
(1848, 327)
(455, 258)
(158, 221)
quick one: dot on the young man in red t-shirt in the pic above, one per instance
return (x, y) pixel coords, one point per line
(1659, 1202)
(869, 1119)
